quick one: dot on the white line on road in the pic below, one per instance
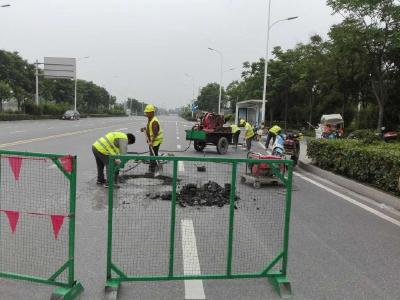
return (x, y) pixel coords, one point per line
(351, 200)
(181, 167)
(120, 129)
(179, 147)
(177, 137)
(50, 127)
(191, 265)
(18, 131)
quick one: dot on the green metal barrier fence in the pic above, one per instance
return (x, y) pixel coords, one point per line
(37, 220)
(199, 218)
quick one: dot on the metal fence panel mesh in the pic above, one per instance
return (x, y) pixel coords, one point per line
(259, 224)
(201, 225)
(142, 220)
(35, 189)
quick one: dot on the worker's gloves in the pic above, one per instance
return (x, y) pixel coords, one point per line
(117, 162)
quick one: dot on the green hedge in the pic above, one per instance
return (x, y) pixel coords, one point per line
(19, 117)
(377, 164)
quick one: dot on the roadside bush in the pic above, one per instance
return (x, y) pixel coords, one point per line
(377, 164)
(367, 136)
(18, 117)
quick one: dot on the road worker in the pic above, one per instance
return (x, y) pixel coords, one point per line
(272, 133)
(249, 135)
(154, 134)
(235, 134)
(113, 143)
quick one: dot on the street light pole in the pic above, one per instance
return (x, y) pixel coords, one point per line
(220, 80)
(266, 57)
(37, 82)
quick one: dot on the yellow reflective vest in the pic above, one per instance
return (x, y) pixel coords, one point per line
(235, 128)
(106, 144)
(249, 131)
(157, 140)
(275, 129)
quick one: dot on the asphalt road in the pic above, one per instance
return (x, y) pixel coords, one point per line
(337, 250)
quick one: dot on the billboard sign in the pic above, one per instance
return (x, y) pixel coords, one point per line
(59, 67)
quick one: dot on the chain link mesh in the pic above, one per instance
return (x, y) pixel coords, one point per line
(36, 190)
(142, 220)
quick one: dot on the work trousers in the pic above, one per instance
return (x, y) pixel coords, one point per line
(270, 136)
(235, 137)
(101, 162)
(153, 163)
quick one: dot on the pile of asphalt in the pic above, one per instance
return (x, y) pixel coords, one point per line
(208, 194)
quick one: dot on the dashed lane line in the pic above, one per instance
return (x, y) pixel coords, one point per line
(181, 167)
(191, 265)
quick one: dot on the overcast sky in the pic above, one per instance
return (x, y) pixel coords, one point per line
(143, 48)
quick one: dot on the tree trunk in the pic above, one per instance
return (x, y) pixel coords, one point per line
(286, 108)
(381, 99)
(311, 110)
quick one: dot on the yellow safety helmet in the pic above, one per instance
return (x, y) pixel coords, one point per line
(242, 121)
(149, 108)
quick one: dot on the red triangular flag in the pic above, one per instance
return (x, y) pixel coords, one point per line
(15, 164)
(66, 162)
(13, 217)
(57, 221)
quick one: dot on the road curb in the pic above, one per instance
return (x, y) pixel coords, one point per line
(353, 186)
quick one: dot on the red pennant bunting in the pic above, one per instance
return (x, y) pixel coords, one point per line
(66, 161)
(13, 217)
(15, 164)
(57, 221)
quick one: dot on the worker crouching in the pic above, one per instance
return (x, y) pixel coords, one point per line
(113, 143)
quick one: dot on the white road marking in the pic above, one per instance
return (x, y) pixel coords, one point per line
(18, 131)
(351, 200)
(50, 127)
(177, 137)
(181, 167)
(49, 137)
(191, 265)
(179, 147)
(120, 129)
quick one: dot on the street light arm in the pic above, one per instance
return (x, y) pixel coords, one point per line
(281, 20)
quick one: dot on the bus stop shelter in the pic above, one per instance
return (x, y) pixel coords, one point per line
(249, 110)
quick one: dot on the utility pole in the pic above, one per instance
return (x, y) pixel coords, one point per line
(37, 82)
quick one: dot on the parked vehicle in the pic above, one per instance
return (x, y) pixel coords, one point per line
(292, 146)
(389, 135)
(71, 115)
(330, 127)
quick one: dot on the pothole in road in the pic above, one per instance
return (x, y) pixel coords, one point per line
(147, 182)
(147, 179)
